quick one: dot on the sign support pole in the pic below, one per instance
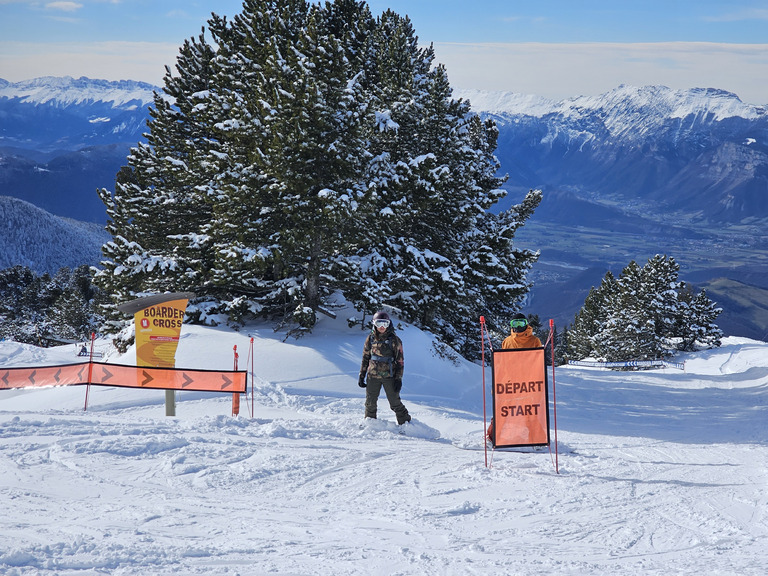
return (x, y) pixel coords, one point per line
(170, 403)
(482, 364)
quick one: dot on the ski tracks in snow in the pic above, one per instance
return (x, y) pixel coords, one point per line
(301, 488)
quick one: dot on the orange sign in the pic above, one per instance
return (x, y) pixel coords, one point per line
(520, 398)
(102, 374)
(157, 333)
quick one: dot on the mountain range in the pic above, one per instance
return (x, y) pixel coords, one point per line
(61, 139)
(626, 175)
(698, 156)
(635, 172)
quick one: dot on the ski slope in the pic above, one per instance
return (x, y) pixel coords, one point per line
(660, 472)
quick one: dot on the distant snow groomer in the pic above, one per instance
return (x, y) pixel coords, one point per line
(383, 367)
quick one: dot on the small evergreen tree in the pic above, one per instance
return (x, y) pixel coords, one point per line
(628, 333)
(697, 322)
(590, 320)
(659, 295)
(645, 314)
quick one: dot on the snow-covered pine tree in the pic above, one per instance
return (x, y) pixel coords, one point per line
(16, 301)
(156, 212)
(35, 308)
(432, 241)
(645, 314)
(247, 99)
(317, 156)
(696, 321)
(73, 313)
(316, 149)
(659, 295)
(628, 332)
(494, 269)
(590, 319)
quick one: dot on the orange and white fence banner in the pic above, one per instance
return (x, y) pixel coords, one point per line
(520, 398)
(121, 376)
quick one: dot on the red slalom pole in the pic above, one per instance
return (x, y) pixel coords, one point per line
(253, 413)
(554, 393)
(235, 395)
(482, 360)
(90, 372)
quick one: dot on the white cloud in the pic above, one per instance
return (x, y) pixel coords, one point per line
(744, 15)
(64, 6)
(564, 70)
(143, 61)
(551, 70)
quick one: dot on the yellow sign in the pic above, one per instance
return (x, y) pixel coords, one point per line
(157, 333)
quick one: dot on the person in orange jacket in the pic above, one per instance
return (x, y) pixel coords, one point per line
(521, 335)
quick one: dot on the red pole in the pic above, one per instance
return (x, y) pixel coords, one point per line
(554, 393)
(253, 413)
(235, 395)
(90, 372)
(482, 360)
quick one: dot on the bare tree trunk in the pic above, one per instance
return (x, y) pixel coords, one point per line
(312, 290)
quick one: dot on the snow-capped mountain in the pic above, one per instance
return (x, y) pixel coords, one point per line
(701, 154)
(67, 91)
(47, 114)
(626, 175)
(635, 172)
(61, 139)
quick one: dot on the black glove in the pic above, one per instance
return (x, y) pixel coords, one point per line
(398, 385)
(361, 382)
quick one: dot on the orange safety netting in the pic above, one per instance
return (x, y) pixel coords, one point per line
(103, 374)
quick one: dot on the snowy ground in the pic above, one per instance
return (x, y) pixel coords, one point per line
(660, 472)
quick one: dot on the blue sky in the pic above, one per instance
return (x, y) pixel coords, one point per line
(554, 48)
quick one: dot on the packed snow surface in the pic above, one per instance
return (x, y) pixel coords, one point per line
(654, 472)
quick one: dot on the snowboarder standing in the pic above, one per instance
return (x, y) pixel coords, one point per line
(382, 367)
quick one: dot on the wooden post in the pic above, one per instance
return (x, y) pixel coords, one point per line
(170, 403)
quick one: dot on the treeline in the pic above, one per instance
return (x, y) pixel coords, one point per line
(43, 309)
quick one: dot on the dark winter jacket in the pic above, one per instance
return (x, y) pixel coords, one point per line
(382, 355)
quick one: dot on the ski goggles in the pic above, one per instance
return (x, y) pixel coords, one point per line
(518, 323)
(381, 323)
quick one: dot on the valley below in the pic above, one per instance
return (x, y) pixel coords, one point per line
(730, 263)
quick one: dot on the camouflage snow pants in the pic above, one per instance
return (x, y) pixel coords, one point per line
(372, 391)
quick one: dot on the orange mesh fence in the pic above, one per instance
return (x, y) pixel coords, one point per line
(102, 374)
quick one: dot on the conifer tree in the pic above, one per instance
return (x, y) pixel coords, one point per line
(156, 212)
(659, 291)
(646, 314)
(628, 333)
(35, 308)
(696, 321)
(308, 149)
(590, 319)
